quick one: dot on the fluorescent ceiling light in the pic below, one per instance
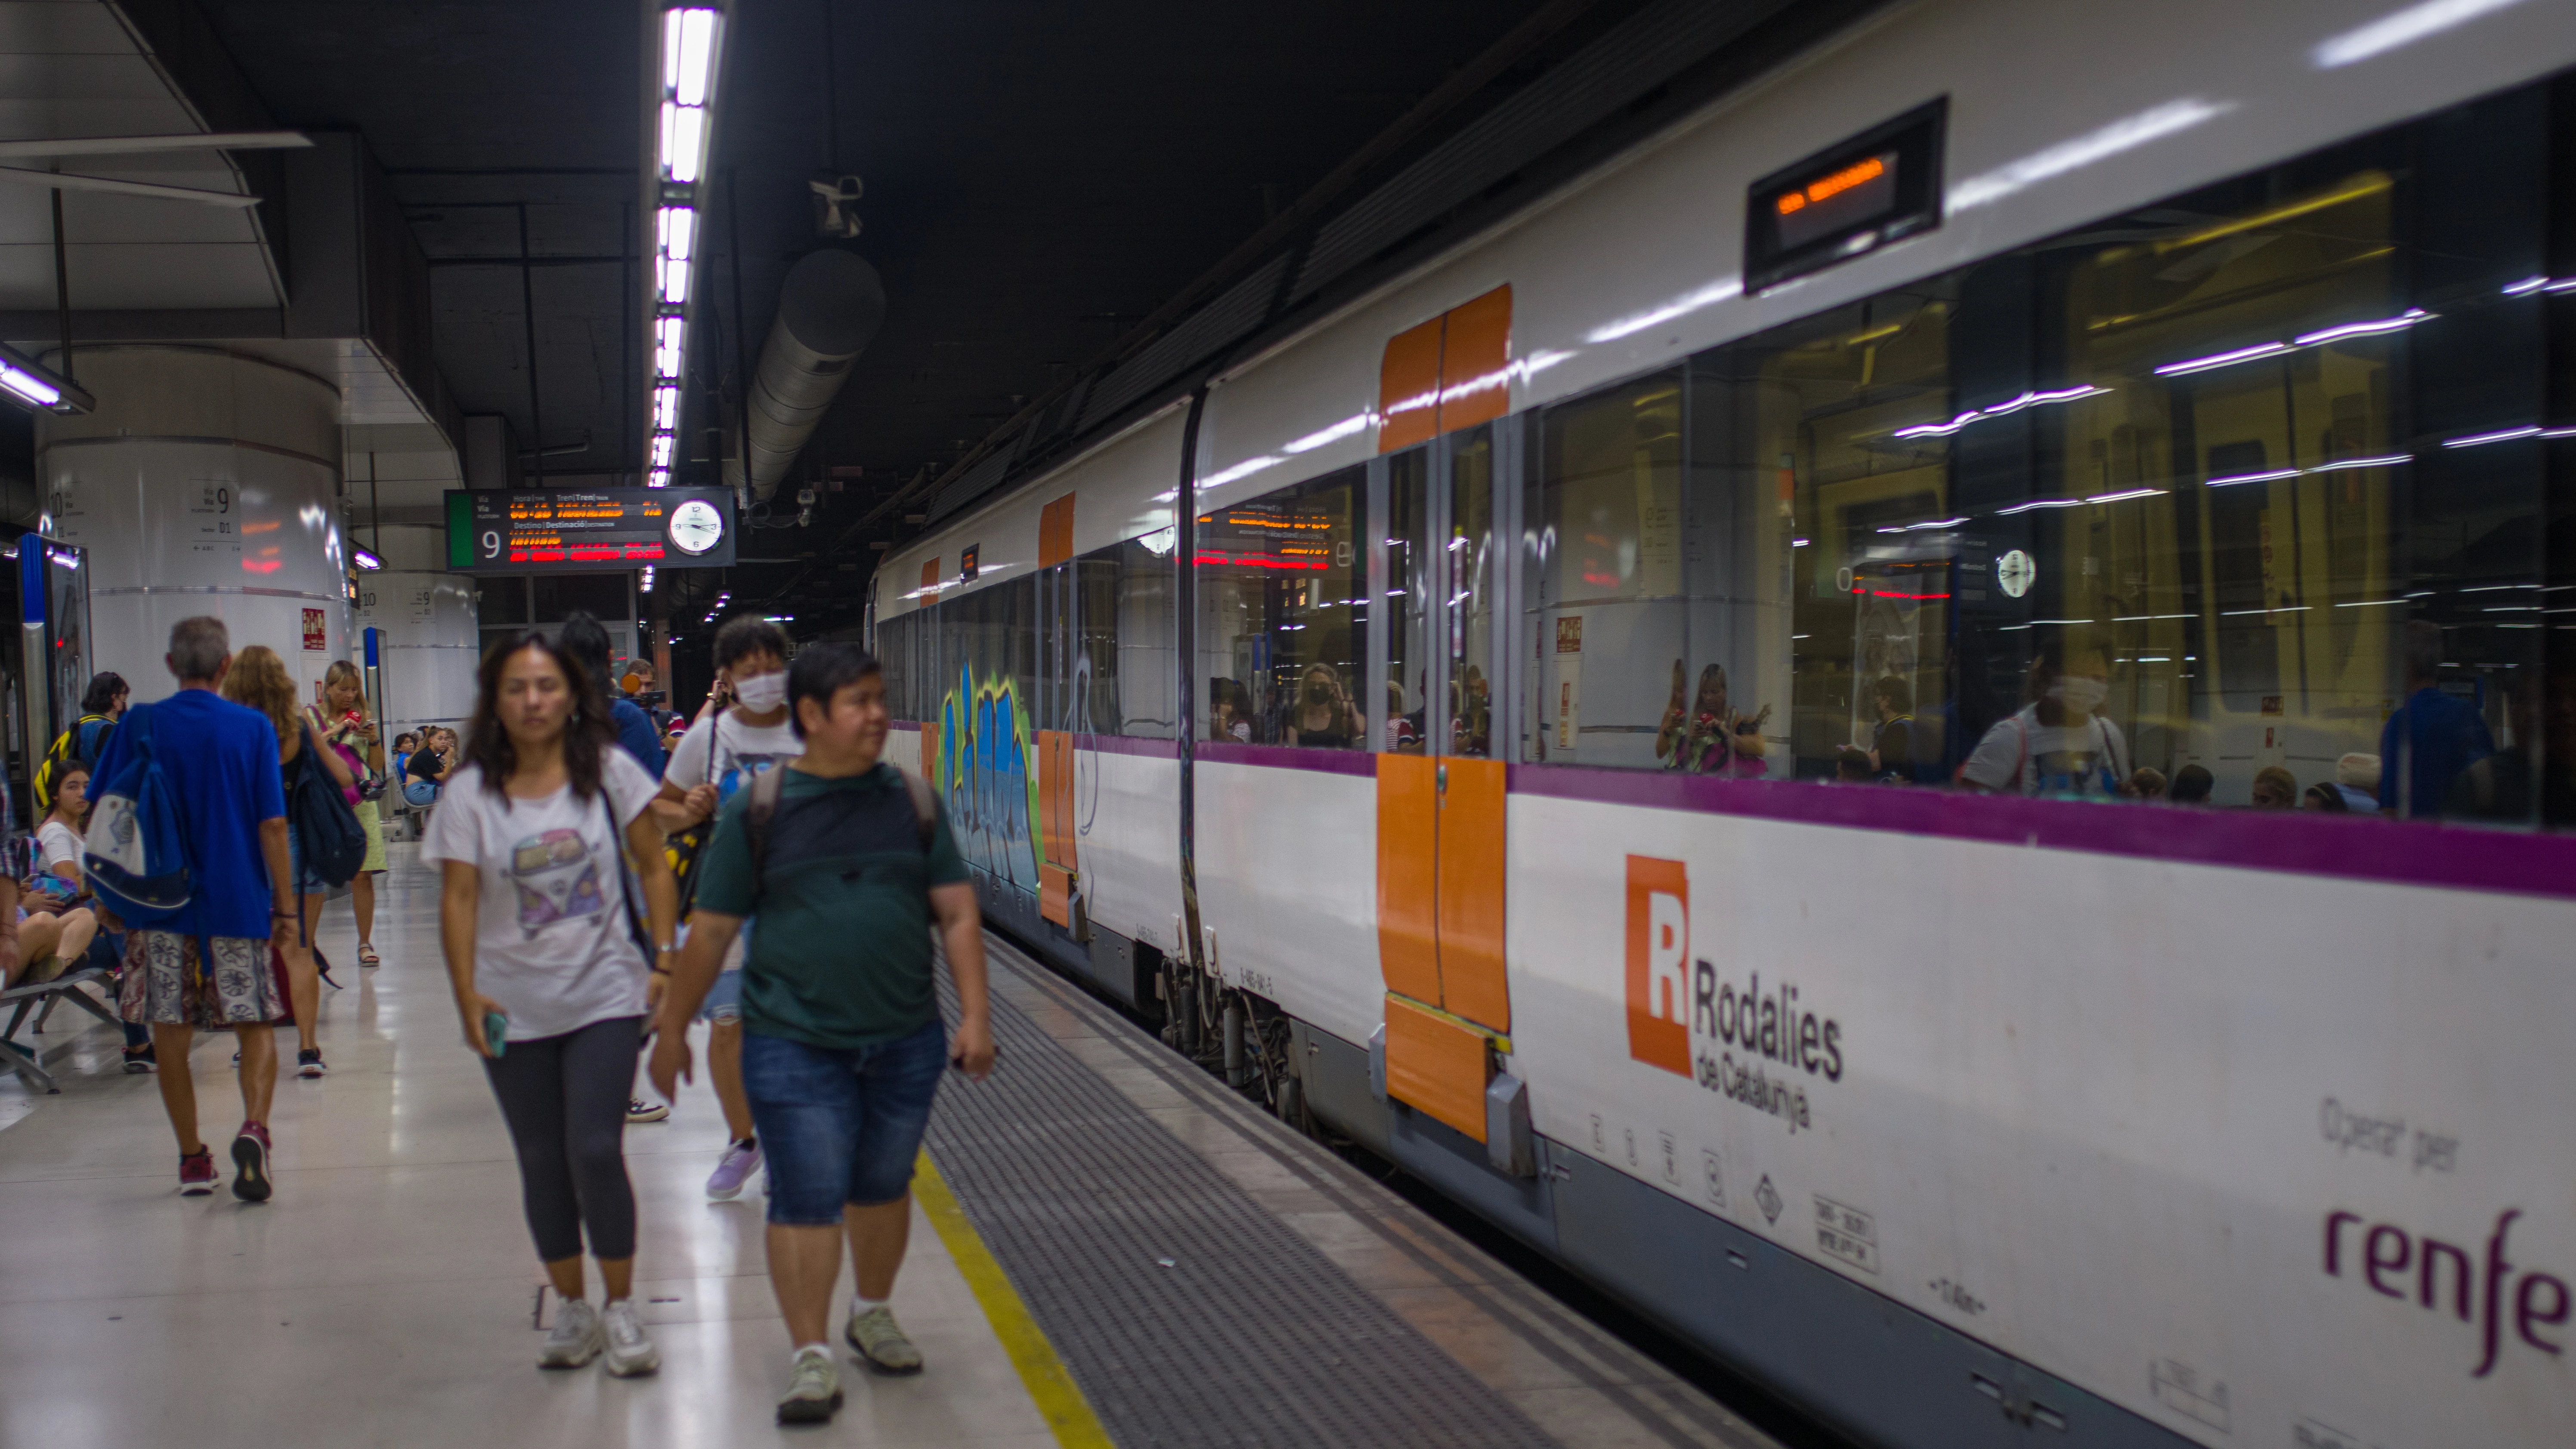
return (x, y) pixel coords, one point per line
(675, 282)
(684, 141)
(679, 231)
(366, 560)
(658, 478)
(29, 387)
(690, 69)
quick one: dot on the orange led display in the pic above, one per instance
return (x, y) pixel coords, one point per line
(1868, 169)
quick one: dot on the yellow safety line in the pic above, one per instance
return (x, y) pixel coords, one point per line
(1049, 1382)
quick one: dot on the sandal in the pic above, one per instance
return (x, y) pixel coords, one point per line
(367, 955)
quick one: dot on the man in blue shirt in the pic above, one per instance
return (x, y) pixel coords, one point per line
(205, 966)
(2431, 738)
(583, 639)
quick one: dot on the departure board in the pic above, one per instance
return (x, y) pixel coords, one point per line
(588, 530)
(1878, 187)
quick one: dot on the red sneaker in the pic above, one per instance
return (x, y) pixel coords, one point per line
(197, 1173)
(250, 1163)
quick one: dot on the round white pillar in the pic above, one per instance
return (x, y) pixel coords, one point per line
(205, 483)
(432, 636)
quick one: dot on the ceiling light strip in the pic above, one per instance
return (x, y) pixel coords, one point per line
(683, 113)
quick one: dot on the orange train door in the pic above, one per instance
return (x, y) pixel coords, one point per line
(1437, 627)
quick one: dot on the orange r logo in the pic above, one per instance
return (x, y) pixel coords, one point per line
(1659, 963)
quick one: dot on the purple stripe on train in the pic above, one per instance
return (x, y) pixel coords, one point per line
(2359, 847)
(1289, 757)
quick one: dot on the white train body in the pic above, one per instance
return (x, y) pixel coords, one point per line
(1956, 1117)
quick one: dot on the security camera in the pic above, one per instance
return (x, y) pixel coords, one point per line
(836, 205)
(805, 496)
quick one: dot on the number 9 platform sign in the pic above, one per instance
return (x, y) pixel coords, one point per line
(588, 530)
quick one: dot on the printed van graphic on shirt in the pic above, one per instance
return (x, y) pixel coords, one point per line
(556, 879)
(982, 774)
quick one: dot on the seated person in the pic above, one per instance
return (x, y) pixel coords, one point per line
(2324, 797)
(426, 771)
(2059, 743)
(2275, 789)
(2191, 786)
(2146, 784)
(57, 882)
(2357, 780)
(35, 947)
(1852, 766)
(1707, 737)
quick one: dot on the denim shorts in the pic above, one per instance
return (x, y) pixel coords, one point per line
(306, 882)
(420, 792)
(724, 999)
(840, 1127)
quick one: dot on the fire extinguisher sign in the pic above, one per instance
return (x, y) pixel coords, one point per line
(316, 637)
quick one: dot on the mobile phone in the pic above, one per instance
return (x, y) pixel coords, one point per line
(496, 1032)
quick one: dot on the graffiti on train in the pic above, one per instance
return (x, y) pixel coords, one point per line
(986, 778)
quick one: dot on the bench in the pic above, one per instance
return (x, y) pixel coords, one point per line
(25, 998)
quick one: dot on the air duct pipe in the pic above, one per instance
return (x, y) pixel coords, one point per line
(828, 309)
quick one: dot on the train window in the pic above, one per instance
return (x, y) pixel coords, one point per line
(1606, 507)
(1142, 659)
(1472, 583)
(2234, 500)
(1281, 616)
(1406, 693)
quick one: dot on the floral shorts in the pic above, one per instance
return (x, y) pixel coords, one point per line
(165, 985)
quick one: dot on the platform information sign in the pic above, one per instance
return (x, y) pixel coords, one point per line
(588, 530)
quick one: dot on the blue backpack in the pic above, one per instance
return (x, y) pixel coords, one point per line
(136, 856)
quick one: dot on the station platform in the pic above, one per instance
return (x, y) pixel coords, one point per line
(1109, 1249)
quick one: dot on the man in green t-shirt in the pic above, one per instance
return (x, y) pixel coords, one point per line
(842, 1041)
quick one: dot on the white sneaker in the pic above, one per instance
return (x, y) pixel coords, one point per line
(630, 1353)
(577, 1338)
(813, 1389)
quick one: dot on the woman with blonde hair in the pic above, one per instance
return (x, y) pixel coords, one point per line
(260, 681)
(345, 726)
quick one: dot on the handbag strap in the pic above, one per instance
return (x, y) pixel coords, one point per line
(625, 896)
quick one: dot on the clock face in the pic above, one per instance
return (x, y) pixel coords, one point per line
(696, 526)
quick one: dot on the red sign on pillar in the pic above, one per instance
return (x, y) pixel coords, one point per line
(317, 636)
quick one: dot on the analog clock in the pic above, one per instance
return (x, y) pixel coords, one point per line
(696, 526)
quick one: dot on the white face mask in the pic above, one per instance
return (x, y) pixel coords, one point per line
(2080, 693)
(761, 693)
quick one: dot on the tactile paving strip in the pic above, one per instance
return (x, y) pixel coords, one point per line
(1187, 1312)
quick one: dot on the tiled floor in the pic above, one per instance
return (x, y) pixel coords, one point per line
(384, 1296)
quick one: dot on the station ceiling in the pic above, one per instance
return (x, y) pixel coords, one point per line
(1039, 177)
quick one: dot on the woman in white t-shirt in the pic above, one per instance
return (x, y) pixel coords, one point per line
(552, 949)
(2059, 744)
(743, 730)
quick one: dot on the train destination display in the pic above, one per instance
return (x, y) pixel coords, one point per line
(588, 530)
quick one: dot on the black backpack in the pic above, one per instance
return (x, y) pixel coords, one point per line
(769, 784)
(325, 827)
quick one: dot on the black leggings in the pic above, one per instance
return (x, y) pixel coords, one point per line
(565, 1100)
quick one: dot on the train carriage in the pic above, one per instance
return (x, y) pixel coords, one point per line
(1671, 721)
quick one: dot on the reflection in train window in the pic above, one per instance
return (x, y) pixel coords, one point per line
(2233, 500)
(1281, 616)
(1140, 663)
(1405, 693)
(1652, 651)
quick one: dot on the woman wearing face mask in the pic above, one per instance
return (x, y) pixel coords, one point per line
(2060, 743)
(1324, 718)
(727, 746)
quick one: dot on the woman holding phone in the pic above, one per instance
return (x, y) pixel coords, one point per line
(555, 915)
(341, 722)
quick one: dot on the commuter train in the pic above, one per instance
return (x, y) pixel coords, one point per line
(1676, 722)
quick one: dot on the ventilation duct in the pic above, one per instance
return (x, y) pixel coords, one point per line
(828, 309)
